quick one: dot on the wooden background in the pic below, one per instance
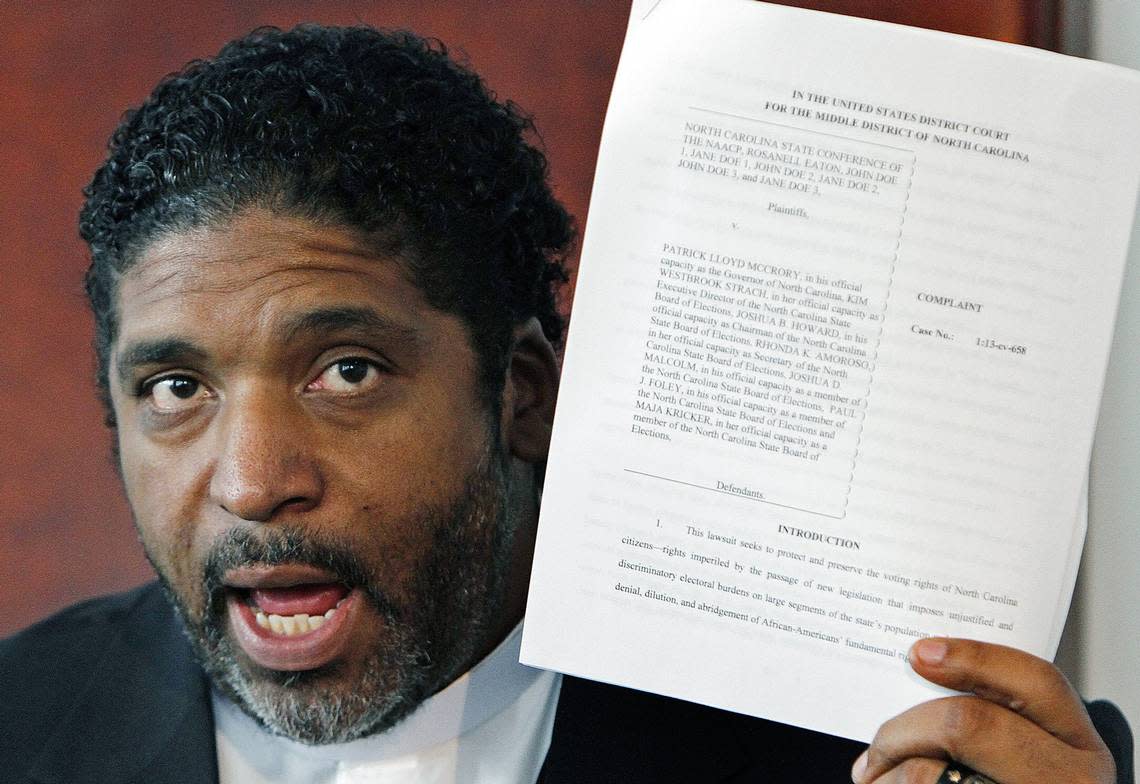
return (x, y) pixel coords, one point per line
(67, 71)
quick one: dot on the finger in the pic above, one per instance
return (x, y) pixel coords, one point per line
(1003, 745)
(913, 771)
(1011, 678)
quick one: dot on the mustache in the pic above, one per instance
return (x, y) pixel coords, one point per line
(279, 546)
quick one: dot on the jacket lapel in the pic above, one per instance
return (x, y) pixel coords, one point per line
(143, 714)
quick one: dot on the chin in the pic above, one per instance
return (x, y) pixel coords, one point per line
(326, 705)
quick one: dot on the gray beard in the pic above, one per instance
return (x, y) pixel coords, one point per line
(455, 600)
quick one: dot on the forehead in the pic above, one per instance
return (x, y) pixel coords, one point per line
(259, 269)
(256, 250)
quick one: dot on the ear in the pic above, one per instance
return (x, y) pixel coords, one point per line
(529, 393)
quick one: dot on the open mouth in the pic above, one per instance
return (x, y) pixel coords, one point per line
(291, 617)
(295, 610)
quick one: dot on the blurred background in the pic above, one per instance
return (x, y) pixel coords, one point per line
(67, 72)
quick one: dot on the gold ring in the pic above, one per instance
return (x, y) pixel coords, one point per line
(957, 773)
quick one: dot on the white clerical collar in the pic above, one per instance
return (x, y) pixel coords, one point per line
(515, 700)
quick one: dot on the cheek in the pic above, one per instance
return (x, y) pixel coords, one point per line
(162, 502)
(425, 457)
(403, 485)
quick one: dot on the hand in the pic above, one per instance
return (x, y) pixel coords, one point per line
(1023, 723)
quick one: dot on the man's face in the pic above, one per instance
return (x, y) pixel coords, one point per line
(310, 471)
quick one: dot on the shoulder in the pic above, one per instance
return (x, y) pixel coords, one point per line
(93, 616)
(608, 733)
(44, 655)
(46, 667)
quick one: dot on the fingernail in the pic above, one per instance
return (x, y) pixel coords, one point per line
(929, 651)
(859, 768)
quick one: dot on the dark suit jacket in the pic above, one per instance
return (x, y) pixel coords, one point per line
(107, 692)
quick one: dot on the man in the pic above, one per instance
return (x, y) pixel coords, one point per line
(323, 274)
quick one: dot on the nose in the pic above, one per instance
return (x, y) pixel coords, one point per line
(264, 468)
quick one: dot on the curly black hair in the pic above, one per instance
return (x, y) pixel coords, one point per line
(376, 131)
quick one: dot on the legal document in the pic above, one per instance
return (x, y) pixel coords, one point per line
(838, 340)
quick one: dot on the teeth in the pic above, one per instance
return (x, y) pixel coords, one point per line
(291, 625)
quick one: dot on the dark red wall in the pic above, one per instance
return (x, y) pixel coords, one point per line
(66, 73)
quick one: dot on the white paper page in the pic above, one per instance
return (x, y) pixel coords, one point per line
(837, 345)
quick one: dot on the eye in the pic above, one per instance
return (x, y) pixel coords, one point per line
(351, 374)
(175, 393)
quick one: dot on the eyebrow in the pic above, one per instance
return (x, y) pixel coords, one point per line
(341, 319)
(155, 352)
